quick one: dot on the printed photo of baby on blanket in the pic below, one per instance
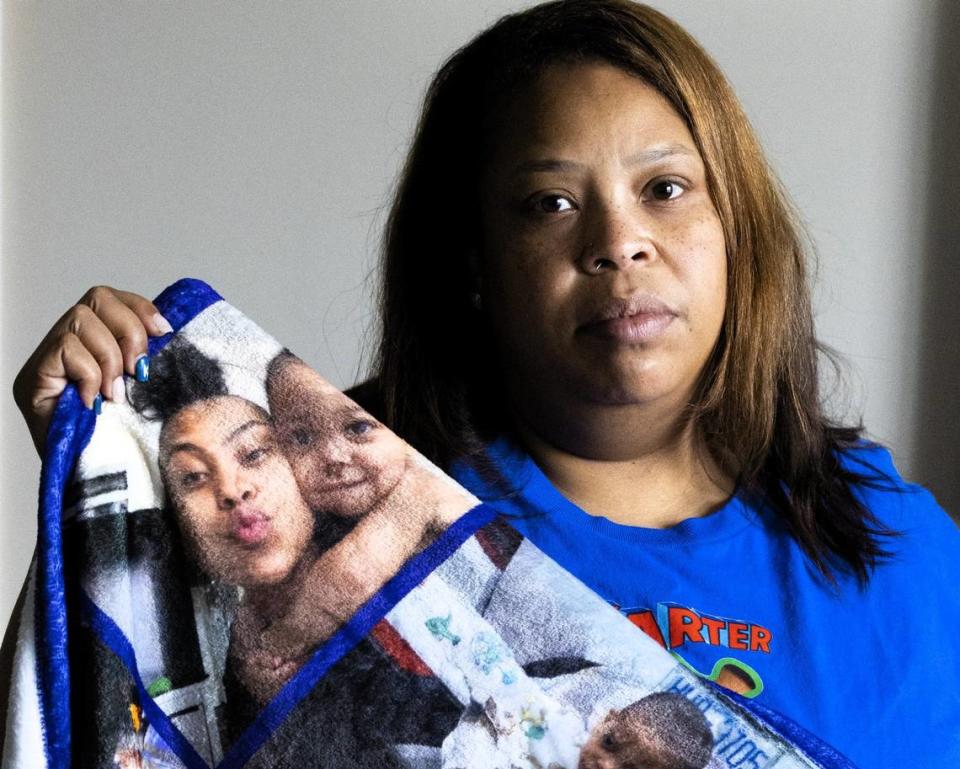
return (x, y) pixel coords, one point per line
(662, 730)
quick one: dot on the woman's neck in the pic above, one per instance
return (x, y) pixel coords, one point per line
(628, 465)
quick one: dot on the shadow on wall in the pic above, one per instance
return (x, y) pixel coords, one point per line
(938, 454)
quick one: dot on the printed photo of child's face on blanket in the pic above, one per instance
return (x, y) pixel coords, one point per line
(346, 463)
(660, 731)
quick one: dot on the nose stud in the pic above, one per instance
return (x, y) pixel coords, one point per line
(598, 263)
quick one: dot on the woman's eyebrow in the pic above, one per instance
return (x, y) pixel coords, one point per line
(546, 164)
(190, 448)
(654, 154)
(640, 158)
(193, 448)
(232, 436)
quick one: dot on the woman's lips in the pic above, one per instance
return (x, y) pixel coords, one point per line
(250, 527)
(642, 327)
(640, 318)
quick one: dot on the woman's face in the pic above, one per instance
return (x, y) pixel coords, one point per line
(603, 262)
(234, 494)
(344, 460)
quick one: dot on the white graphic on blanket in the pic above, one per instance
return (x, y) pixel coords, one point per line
(512, 720)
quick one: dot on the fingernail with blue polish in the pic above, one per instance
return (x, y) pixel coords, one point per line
(143, 368)
(97, 404)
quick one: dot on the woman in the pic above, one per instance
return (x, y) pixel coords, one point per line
(241, 514)
(595, 296)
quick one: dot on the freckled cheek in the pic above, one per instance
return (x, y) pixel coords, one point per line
(280, 497)
(299, 528)
(277, 470)
(388, 452)
(192, 511)
(527, 284)
(699, 253)
(512, 267)
(386, 477)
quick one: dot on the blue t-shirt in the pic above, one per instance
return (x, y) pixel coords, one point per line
(874, 672)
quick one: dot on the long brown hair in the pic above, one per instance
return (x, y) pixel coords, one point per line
(757, 406)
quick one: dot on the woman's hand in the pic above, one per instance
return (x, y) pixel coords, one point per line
(93, 344)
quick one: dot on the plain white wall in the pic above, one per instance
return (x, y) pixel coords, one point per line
(254, 145)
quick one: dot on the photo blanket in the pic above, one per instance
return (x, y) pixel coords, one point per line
(240, 567)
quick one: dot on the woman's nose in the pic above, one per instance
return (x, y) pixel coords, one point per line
(617, 237)
(234, 488)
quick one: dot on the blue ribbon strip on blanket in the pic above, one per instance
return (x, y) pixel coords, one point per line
(68, 434)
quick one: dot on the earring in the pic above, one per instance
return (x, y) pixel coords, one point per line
(475, 300)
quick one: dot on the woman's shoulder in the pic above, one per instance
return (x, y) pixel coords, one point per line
(875, 463)
(899, 504)
(880, 479)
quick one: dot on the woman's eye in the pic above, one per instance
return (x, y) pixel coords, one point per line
(665, 189)
(253, 456)
(192, 479)
(553, 204)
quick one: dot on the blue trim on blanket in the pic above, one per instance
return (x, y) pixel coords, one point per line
(111, 634)
(69, 432)
(821, 752)
(357, 628)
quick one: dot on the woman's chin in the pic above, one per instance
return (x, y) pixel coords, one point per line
(272, 572)
(643, 380)
(627, 391)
